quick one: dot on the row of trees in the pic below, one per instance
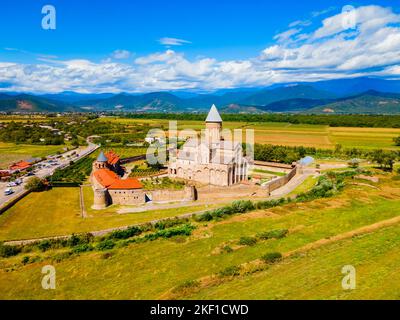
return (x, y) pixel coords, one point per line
(373, 121)
(286, 154)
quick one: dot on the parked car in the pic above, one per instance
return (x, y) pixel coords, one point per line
(8, 191)
(29, 174)
(12, 184)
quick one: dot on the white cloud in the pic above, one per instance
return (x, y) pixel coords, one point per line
(287, 35)
(326, 52)
(300, 23)
(173, 41)
(315, 14)
(121, 54)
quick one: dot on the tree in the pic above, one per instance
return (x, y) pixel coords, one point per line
(35, 184)
(354, 163)
(385, 159)
(397, 141)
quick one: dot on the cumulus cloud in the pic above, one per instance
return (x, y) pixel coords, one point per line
(329, 51)
(121, 54)
(173, 41)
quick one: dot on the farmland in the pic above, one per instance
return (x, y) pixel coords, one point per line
(280, 133)
(10, 152)
(152, 270)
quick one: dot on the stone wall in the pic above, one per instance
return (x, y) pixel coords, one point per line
(280, 182)
(127, 197)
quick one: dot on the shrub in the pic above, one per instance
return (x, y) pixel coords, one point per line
(82, 248)
(186, 285)
(125, 234)
(273, 234)
(227, 249)
(76, 240)
(25, 260)
(272, 257)
(44, 245)
(248, 241)
(35, 184)
(164, 224)
(230, 271)
(242, 206)
(107, 244)
(9, 251)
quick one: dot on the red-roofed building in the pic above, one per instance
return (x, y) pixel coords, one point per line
(20, 166)
(114, 162)
(109, 188)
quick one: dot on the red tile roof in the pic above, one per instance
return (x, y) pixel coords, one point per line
(20, 165)
(112, 157)
(105, 177)
(126, 184)
(110, 180)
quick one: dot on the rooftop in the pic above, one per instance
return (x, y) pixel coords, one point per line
(111, 180)
(102, 157)
(213, 115)
(112, 157)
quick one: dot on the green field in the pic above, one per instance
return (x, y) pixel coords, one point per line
(150, 270)
(10, 152)
(57, 212)
(278, 133)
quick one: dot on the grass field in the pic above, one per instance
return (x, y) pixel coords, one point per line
(10, 152)
(57, 212)
(319, 136)
(150, 270)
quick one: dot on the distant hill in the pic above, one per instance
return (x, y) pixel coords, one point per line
(268, 96)
(359, 95)
(370, 102)
(149, 102)
(31, 103)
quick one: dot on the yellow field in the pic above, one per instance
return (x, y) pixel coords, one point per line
(319, 136)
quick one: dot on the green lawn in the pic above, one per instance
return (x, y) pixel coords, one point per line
(317, 275)
(57, 212)
(149, 270)
(307, 185)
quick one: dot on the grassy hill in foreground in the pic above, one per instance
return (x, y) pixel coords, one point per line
(171, 268)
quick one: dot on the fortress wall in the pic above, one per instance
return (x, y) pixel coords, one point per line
(280, 182)
(127, 197)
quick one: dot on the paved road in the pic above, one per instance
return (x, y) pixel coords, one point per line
(47, 170)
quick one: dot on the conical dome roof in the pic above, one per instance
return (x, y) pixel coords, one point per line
(213, 115)
(101, 157)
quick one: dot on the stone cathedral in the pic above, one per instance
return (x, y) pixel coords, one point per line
(210, 160)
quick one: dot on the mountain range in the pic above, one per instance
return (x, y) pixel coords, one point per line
(356, 96)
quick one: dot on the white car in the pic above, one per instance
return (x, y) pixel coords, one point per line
(8, 191)
(12, 184)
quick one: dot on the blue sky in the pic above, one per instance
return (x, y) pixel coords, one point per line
(194, 45)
